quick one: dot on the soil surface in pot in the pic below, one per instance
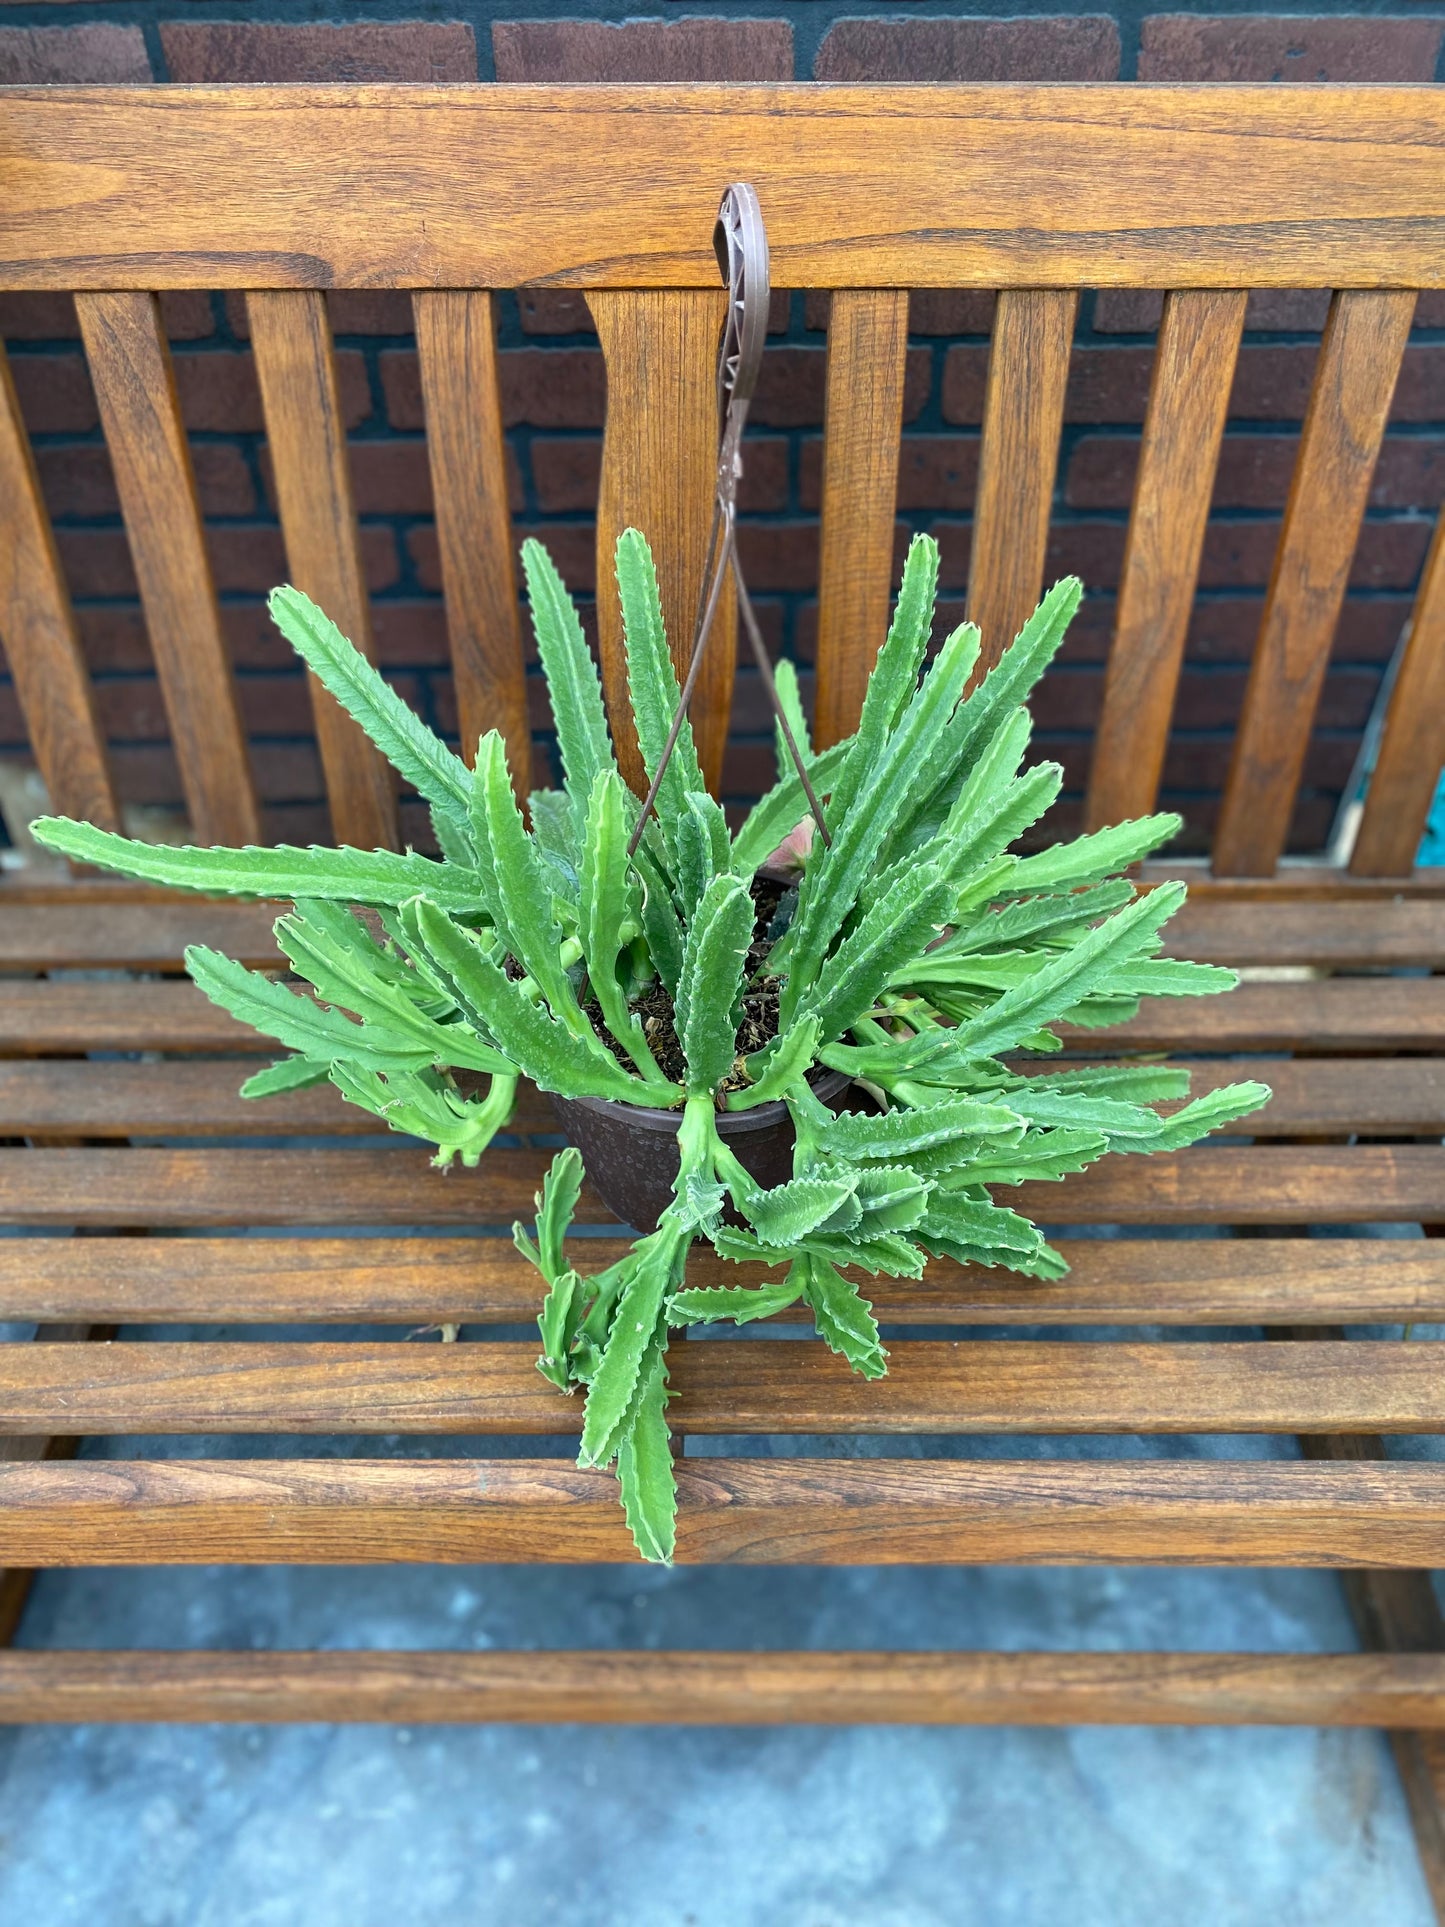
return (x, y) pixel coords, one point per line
(631, 1153)
(773, 901)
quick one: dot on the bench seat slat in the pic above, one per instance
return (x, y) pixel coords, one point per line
(152, 931)
(1267, 1184)
(1318, 1016)
(466, 1281)
(939, 1512)
(729, 1386)
(134, 936)
(1384, 1097)
(184, 1097)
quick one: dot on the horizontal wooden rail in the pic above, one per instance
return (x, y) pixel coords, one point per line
(1336, 1014)
(733, 1689)
(1298, 881)
(394, 1184)
(729, 1386)
(151, 931)
(1335, 934)
(1374, 1097)
(397, 1185)
(478, 1281)
(864, 187)
(1360, 1014)
(814, 1512)
(48, 1097)
(134, 936)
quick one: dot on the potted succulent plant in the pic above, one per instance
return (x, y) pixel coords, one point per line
(818, 1076)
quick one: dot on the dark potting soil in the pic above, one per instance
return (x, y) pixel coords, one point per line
(759, 1024)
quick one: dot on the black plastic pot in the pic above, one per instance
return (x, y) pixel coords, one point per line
(631, 1153)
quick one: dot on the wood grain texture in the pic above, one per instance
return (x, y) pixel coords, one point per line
(1378, 1097)
(1397, 1611)
(397, 1185)
(135, 387)
(863, 423)
(746, 1511)
(1023, 413)
(118, 928)
(729, 1386)
(457, 350)
(1412, 748)
(46, 1097)
(731, 1689)
(1313, 1015)
(1189, 390)
(18, 1576)
(305, 430)
(1349, 403)
(1297, 880)
(659, 472)
(1378, 933)
(135, 936)
(871, 186)
(1317, 1016)
(148, 1188)
(41, 641)
(420, 1281)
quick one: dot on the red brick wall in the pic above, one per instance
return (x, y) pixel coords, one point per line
(554, 390)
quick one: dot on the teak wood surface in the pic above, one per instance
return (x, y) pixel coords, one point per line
(457, 192)
(603, 186)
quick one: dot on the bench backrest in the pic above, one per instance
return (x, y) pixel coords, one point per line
(454, 192)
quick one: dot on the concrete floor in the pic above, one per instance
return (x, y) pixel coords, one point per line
(808, 1827)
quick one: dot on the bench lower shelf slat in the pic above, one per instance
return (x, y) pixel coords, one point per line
(745, 1511)
(730, 1386)
(729, 1688)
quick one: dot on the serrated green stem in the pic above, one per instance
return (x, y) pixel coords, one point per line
(570, 953)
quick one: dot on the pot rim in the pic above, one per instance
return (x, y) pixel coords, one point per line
(729, 1123)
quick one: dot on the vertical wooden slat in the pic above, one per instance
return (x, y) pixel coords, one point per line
(16, 1581)
(1359, 359)
(291, 338)
(42, 644)
(1023, 414)
(1412, 749)
(456, 345)
(1397, 1612)
(1188, 401)
(659, 466)
(867, 355)
(130, 366)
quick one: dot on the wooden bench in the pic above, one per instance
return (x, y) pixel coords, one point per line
(453, 192)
